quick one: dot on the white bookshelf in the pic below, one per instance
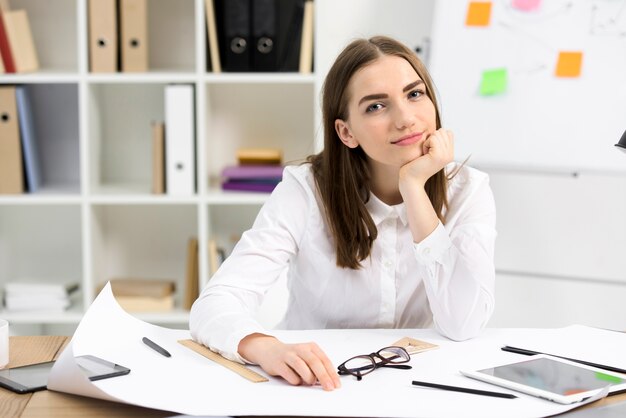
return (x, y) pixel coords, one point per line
(95, 217)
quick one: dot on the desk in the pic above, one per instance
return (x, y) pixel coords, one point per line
(28, 350)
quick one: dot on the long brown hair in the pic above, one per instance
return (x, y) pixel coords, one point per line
(342, 173)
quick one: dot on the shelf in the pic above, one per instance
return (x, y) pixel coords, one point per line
(258, 78)
(94, 217)
(72, 316)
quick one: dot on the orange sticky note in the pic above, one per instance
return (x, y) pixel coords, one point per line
(478, 13)
(569, 64)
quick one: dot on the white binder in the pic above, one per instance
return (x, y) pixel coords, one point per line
(180, 141)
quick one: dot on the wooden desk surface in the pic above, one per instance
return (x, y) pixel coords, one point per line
(29, 350)
(46, 403)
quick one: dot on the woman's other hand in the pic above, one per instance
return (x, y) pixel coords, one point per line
(298, 364)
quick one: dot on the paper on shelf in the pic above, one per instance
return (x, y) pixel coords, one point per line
(188, 383)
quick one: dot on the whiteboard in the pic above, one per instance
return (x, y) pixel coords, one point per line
(539, 121)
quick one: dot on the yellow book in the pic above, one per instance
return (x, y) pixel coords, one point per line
(259, 156)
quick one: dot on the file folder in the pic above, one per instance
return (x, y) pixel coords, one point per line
(29, 139)
(234, 34)
(21, 42)
(264, 41)
(5, 49)
(103, 36)
(214, 49)
(179, 140)
(306, 43)
(11, 169)
(134, 35)
(289, 16)
(158, 158)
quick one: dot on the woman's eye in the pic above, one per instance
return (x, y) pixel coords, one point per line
(415, 94)
(373, 107)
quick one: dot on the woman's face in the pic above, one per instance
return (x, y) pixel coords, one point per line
(389, 113)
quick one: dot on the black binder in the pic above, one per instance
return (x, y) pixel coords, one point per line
(264, 35)
(259, 35)
(288, 34)
(234, 34)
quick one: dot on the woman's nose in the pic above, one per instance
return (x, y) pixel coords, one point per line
(404, 116)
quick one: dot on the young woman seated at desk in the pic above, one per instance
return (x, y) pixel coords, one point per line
(379, 230)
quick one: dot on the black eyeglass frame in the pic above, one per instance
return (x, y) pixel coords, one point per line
(382, 362)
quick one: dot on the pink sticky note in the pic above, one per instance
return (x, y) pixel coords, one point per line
(526, 5)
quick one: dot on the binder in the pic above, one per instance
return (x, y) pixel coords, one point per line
(264, 41)
(179, 140)
(211, 24)
(158, 158)
(102, 36)
(234, 34)
(11, 180)
(5, 49)
(192, 274)
(29, 139)
(21, 43)
(306, 44)
(289, 15)
(134, 35)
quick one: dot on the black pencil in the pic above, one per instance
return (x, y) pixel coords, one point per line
(465, 390)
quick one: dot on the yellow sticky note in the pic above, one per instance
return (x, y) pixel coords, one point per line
(569, 64)
(478, 13)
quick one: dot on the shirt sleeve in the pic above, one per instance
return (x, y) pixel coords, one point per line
(224, 313)
(457, 265)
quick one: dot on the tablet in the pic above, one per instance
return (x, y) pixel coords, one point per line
(34, 377)
(551, 378)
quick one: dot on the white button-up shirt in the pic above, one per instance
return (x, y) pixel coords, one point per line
(446, 280)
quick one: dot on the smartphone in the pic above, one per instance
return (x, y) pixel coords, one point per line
(34, 377)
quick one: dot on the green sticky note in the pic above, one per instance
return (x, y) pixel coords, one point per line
(608, 378)
(493, 82)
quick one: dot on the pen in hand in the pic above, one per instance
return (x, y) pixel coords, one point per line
(465, 390)
(156, 347)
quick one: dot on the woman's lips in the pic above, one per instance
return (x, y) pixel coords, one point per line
(409, 139)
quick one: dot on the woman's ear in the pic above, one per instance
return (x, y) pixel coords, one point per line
(345, 134)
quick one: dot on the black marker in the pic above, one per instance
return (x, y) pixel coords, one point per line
(156, 347)
(465, 390)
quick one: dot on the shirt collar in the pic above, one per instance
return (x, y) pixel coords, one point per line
(380, 211)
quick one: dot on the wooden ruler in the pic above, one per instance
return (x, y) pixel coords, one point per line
(238, 368)
(413, 346)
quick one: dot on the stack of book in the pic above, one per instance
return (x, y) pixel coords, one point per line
(144, 295)
(17, 49)
(30, 297)
(259, 170)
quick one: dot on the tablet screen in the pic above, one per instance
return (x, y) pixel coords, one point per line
(553, 376)
(32, 376)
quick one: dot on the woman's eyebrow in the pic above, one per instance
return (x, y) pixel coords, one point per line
(412, 85)
(379, 96)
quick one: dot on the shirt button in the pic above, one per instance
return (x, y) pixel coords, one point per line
(388, 264)
(426, 251)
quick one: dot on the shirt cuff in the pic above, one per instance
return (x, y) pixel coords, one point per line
(432, 248)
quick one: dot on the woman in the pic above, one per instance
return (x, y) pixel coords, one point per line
(360, 227)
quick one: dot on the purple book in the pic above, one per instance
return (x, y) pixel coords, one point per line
(249, 187)
(253, 172)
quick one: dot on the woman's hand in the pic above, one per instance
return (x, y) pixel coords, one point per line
(298, 364)
(438, 151)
